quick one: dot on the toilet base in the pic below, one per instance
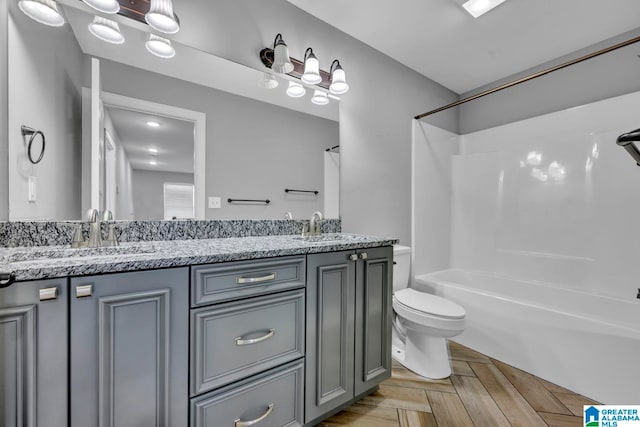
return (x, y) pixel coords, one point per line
(426, 355)
(397, 353)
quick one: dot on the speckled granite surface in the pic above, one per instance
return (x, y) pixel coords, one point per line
(50, 233)
(29, 263)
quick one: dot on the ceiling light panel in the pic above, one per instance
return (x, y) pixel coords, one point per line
(478, 8)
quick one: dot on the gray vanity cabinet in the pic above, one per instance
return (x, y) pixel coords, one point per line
(33, 354)
(374, 286)
(348, 327)
(130, 341)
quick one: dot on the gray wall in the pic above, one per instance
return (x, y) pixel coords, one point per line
(612, 74)
(148, 191)
(44, 93)
(254, 150)
(375, 115)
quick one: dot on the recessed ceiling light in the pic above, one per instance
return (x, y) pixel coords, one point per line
(153, 124)
(153, 162)
(479, 7)
(153, 150)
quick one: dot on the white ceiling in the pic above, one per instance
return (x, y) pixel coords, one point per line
(173, 139)
(440, 40)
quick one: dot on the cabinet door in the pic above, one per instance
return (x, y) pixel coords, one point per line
(33, 354)
(373, 317)
(330, 328)
(129, 345)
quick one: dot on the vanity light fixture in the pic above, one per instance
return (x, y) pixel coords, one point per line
(153, 124)
(42, 11)
(268, 81)
(153, 162)
(478, 8)
(308, 71)
(295, 90)
(338, 79)
(311, 73)
(160, 47)
(153, 150)
(320, 98)
(106, 30)
(161, 17)
(281, 62)
(104, 6)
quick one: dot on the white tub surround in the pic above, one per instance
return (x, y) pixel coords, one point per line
(585, 342)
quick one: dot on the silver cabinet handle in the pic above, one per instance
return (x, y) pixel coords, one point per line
(241, 341)
(238, 423)
(363, 255)
(353, 257)
(48, 293)
(241, 280)
(83, 291)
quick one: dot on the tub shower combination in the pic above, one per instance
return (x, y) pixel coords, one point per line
(587, 343)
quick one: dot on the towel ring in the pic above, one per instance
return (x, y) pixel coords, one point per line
(33, 133)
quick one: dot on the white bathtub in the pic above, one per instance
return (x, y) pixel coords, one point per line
(587, 343)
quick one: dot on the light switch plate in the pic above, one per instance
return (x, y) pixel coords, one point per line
(32, 189)
(214, 202)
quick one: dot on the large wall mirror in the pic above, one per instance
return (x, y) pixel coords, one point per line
(146, 137)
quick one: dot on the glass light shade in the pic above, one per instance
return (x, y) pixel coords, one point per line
(42, 11)
(161, 18)
(106, 30)
(267, 81)
(160, 47)
(338, 81)
(311, 70)
(320, 98)
(104, 6)
(295, 90)
(281, 62)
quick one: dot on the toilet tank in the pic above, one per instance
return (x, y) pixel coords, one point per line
(401, 267)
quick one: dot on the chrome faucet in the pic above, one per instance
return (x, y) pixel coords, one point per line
(112, 239)
(314, 224)
(95, 231)
(95, 234)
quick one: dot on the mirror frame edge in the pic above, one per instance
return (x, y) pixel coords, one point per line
(4, 112)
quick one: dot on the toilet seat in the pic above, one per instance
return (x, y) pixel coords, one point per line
(429, 304)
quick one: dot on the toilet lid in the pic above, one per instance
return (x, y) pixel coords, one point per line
(429, 304)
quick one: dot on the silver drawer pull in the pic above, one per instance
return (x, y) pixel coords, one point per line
(363, 255)
(48, 293)
(241, 280)
(84, 291)
(238, 423)
(240, 341)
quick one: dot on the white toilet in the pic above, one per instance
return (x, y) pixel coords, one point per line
(422, 323)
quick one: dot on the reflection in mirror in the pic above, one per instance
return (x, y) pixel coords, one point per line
(149, 172)
(258, 142)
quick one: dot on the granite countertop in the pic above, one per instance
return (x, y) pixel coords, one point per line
(30, 263)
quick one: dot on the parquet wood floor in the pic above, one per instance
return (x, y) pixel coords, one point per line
(482, 392)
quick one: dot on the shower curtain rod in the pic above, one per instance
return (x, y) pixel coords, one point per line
(531, 77)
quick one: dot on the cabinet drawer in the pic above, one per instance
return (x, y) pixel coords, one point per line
(232, 280)
(274, 398)
(234, 340)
